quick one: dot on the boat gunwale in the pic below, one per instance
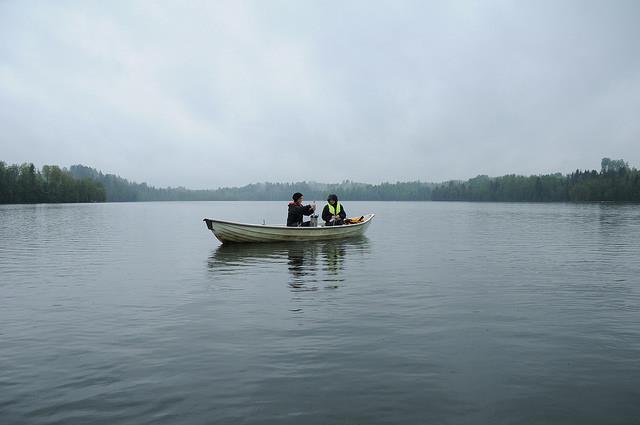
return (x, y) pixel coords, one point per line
(298, 228)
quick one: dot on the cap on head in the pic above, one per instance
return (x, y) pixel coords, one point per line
(333, 197)
(296, 196)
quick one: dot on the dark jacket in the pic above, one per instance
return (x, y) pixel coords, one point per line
(326, 215)
(296, 213)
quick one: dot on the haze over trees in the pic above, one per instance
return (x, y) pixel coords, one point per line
(616, 181)
(119, 189)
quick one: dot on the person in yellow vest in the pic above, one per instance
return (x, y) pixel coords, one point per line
(333, 213)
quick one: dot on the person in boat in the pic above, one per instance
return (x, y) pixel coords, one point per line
(297, 211)
(333, 213)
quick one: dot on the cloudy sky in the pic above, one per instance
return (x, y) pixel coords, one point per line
(212, 93)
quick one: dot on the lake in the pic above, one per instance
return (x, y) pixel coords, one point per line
(445, 313)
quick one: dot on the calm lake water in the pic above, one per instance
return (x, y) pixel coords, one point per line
(446, 313)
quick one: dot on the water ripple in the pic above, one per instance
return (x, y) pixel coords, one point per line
(444, 313)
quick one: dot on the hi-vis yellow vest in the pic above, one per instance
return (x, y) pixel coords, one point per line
(335, 210)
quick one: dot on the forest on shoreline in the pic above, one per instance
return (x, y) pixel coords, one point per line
(616, 182)
(25, 184)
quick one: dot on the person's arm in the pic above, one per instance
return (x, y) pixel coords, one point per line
(296, 212)
(297, 209)
(326, 215)
(342, 214)
(308, 210)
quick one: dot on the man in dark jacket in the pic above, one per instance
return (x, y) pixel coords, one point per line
(297, 211)
(333, 213)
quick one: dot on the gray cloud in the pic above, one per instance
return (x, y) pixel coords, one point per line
(205, 94)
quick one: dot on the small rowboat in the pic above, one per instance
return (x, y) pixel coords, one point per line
(231, 232)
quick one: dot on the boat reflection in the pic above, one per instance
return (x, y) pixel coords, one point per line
(310, 265)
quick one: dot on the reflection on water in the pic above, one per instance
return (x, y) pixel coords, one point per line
(310, 265)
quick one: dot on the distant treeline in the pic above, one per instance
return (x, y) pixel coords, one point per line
(119, 189)
(24, 184)
(615, 181)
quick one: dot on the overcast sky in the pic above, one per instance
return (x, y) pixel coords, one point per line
(211, 93)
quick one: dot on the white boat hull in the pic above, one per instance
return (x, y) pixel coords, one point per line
(230, 232)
